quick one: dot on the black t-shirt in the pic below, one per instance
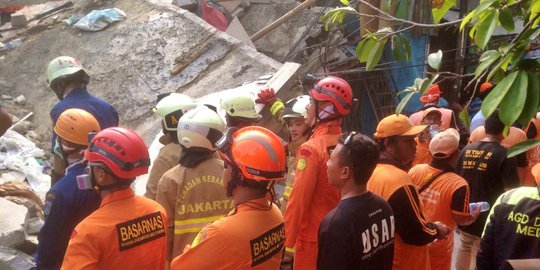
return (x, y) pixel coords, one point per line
(488, 171)
(357, 234)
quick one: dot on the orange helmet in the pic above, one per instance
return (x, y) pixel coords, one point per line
(73, 125)
(257, 152)
(485, 87)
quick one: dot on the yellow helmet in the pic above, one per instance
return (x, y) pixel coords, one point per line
(73, 125)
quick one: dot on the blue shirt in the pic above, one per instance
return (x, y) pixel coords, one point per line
(80, 98)
(477, 121)
(65, 206)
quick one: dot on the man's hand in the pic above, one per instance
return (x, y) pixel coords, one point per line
(442, 230)
(266, 96)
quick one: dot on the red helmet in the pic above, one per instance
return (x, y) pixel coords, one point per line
(257, 152)
(121, 150)
(335, 90)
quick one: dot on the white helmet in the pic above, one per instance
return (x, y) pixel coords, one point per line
(172, 107)
(296, 107)
(200, 127)
(240, 105)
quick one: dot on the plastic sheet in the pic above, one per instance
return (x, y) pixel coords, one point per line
(97, 20)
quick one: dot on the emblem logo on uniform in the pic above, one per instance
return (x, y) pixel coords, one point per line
(267, 245)
(301, 164)
(139, 231)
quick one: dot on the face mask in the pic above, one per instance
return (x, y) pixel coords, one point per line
(56, 150)
(73, 160)
(60, 149)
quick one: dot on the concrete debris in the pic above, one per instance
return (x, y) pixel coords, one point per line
(11, 259)
(18, 20)
(21, 100)
(13, 220)
(22, 127)
(34, 225)
(30, 245)
(236, 30)
(11, 177)
(7, 97)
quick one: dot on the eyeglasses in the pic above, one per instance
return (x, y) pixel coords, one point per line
(347, 141)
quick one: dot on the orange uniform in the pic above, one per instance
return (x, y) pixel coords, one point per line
(448, 194)
(448, 119)
(126, 232)
(515, 135)
(250, 238)
(533, 155)
(391, 182)
(312, 197)
(422, 152)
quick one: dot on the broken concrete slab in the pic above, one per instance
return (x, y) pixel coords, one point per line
(230, 5)
(21, 100)
(13, 220)
(18, 20)
(33, 226)
(11, 259)
(236, 30)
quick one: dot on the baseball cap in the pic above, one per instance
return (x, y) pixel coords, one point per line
(397, 125)
(536, 173)
(432, 94)
(431, 110)
(444, 144)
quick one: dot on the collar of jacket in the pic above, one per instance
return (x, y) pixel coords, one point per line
(117, 196)
(384, 160)
(332, 127)
(76, 92)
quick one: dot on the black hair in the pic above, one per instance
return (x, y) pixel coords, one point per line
(361, 154)
(494, 125)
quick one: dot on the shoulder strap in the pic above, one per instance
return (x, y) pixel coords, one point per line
(430, 181)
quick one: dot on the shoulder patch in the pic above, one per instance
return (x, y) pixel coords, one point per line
(267, 245)
(48, 204)
(301, 164)
(140, 230)
(303, 152)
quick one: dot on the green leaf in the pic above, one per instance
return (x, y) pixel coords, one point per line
(535, 9)
(385, 5)
(375, 55)
(484, 5)
(434, 60)
(514, 101)
(486, 60)
(438, 13)
(418, 82)
(523, 147)
(397, 48)
(403, 102)
(495, 70)
(533, 98)
(506, 19)
(494, 98)
(485, 30)
(408, 48)
(466, 20)
(366, 49)
(345, 2)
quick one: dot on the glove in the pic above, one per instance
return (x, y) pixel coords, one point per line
(266, 96)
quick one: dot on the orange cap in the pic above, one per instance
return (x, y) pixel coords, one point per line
(536, 173)
(485, 87)
(432, 94)
(431, 110)
(397, 125)
(444, 144)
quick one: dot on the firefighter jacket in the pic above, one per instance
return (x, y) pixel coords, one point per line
(512, 230)
(167, 158)
(312, 196)
(448, 118)
(291, 168)
(65, 206)
(251, 237)
(194, 197)
(126, 232)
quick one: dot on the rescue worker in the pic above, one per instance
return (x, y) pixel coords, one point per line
(192, 191)
(65, 204)
(444, 194)
(170, 108)
(126, 231)
(253, 234)
(312, 196)
(347, 233)
(533, 155)
(511, 230)
(431, 100)
(240, 110)
(292, 115)
(432, 118)
(68, 80)
(396, 134)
